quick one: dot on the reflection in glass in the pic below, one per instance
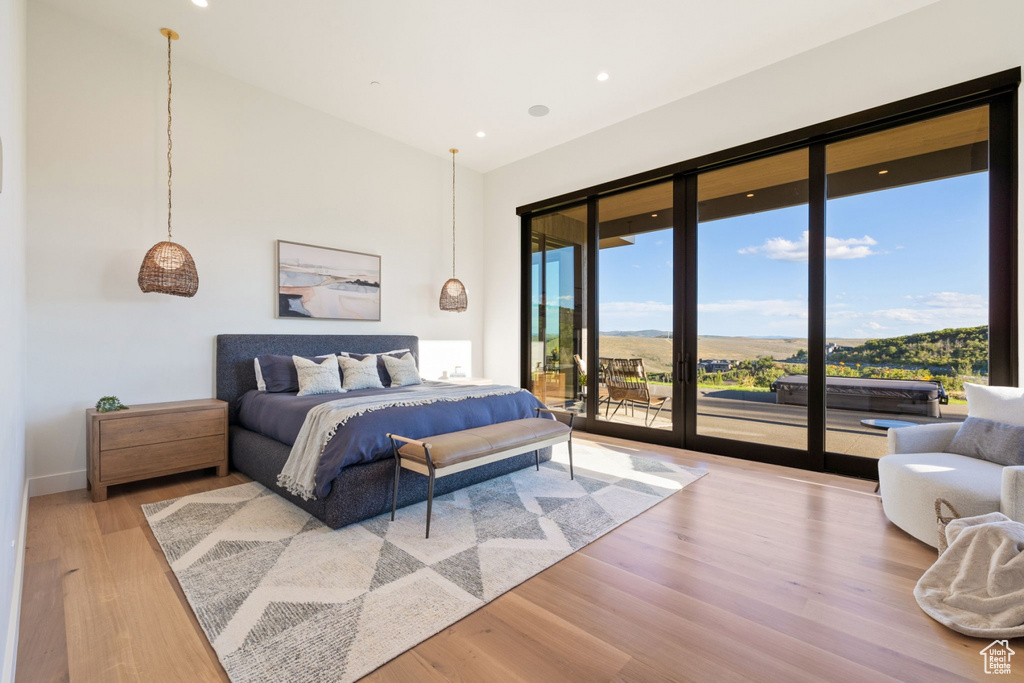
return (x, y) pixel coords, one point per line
(906, 277)
(635, 307)
(752, 255)
(557, 314)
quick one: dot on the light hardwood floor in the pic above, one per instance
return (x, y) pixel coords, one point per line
(755, 572)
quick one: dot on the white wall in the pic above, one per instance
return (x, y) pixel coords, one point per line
(249, 168)
(12, 321)
(939, 45)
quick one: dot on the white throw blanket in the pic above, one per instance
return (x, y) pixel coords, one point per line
(976, 587)
(322, 422)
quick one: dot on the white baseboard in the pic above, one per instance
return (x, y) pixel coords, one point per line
(11, 651)
(56, 483)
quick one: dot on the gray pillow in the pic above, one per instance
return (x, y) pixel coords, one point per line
(278, 372)
(360, 374)
(318, 378)
(996, 442)
(382, 370)
(402, 370)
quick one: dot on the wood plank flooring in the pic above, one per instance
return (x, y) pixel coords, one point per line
(755, 572)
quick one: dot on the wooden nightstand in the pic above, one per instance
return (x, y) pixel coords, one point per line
(155, 439)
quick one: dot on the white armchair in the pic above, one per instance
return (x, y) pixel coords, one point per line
(917, 471)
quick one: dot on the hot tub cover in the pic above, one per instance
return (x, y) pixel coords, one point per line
(917, 390)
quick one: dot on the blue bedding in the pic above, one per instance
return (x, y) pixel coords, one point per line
(364, 439)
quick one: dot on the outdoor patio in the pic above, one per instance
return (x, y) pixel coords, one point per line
(755, 417)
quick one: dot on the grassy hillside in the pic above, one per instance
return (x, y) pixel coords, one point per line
(657, 353)
(963, 349)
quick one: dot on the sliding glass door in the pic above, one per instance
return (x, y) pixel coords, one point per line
(557, 326)
(635, 308)
(752, 255)
(907, 277)
(792, 303)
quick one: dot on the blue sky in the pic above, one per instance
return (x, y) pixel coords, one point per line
(904, 260)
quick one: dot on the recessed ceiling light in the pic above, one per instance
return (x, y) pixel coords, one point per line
(375, 84)
(882, 172)
(200, 3)
(603, 76)
(480, 133)
(538, 110)
(750, 194)
(654, 215)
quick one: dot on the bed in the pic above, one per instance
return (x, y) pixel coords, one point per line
(362, 486)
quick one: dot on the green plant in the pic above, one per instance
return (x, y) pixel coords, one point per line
(110, 403)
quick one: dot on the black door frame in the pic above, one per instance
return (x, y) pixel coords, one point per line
(998, 91)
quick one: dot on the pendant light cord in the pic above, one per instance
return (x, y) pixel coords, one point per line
(169, 172)
(453, 151)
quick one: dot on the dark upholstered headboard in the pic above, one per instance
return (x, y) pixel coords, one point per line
(235, 372)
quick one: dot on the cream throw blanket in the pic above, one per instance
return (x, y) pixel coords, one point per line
(976, 587)
(322, 422)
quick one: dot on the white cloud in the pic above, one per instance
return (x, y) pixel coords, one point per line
(634, 308)
(790, 308)
(781, 249)
(933, 311)
(954, 300)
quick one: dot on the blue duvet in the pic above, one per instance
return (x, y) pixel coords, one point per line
(364, 437)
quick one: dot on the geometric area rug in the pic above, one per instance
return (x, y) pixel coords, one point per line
(282, 597)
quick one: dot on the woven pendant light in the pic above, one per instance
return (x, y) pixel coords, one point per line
(168, 267)
(453, 292)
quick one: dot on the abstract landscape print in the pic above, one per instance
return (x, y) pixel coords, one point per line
(324, 283)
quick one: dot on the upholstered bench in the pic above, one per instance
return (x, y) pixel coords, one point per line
(446, 454)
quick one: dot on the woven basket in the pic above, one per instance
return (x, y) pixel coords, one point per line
(944, 521)
(169, 269)
(453, 296)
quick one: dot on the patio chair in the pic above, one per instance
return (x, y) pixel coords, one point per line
(626, 381)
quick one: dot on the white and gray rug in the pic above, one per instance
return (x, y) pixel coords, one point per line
(282, 597)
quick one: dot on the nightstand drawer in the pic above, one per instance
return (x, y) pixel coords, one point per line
(153, 429)
(161, 457)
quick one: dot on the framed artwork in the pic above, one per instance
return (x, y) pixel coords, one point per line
(320, 283)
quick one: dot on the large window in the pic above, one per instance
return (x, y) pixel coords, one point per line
(634, 344)
(557, 328)
(907, 275)
(752, 254)
(792, 299)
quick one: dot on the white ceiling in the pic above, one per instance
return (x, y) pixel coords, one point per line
(449, 68)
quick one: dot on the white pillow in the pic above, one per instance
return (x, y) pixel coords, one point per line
(260, 384)
(402, 370)
(318, 378)
(998, 404)
(360, 374)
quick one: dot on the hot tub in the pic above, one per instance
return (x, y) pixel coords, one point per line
(918, 397)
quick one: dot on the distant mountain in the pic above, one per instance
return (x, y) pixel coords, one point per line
(647, 334)
(664, 334)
